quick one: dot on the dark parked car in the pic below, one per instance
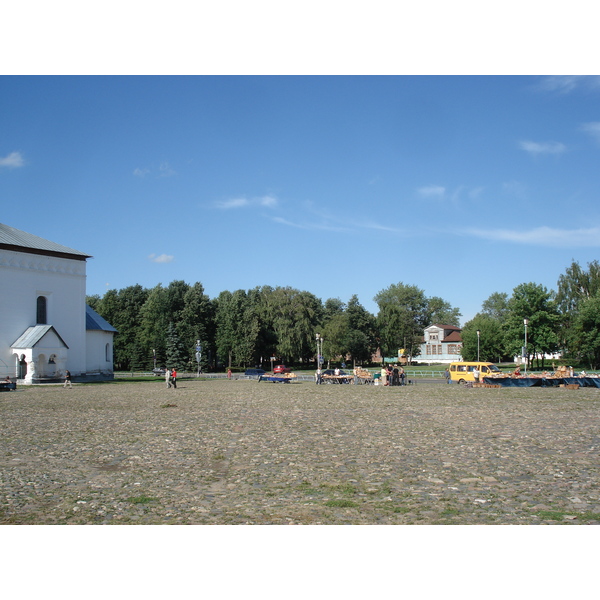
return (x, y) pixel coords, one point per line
(159, 372)
(332, 372)
(282, 369)
(254, 372)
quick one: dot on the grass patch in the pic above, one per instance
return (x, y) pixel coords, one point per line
(590, 516)
(341, 503)
(347, 489)
(450, 512)
(557, 515)
(551, 515)
(143, 499)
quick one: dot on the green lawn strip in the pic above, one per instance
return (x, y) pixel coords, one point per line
(559, 515)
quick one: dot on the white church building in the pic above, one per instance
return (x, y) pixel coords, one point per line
(45, 325)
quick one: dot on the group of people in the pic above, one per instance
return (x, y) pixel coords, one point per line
(393, 375)
(171, 377)
(337, 373)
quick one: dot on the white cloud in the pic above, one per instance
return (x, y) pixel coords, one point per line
(431, 191)
(475, 193)
(379, 227)
(322, 226)
(12, 160)
(592, 129)
(161, 258)
(166, 170)
(543, 236)
(536, 148)
(267, 201)
(562, 84)
(565, 84)
(232, 203)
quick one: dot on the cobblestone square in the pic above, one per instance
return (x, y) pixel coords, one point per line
(241, 452)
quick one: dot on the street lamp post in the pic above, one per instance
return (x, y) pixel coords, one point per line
(525, 322)
(478, 332)
(319, 350)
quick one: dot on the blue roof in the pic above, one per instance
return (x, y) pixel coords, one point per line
(27, 242)
(33, 335)
(94, 322)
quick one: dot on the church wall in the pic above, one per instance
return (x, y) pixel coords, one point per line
(97, 352)
(24, 277)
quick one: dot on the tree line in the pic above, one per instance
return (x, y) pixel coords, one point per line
(162, 325)
(244, 328)
(566, 321)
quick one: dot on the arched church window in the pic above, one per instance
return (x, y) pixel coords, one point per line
(42, 316)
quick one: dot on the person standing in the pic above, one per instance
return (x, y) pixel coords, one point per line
(318, 376)
(384, 376)
(476, 374)
(447, 375)
(402, 376)
(395, 376)
(68, 379)
(168, 377)
(174, 377)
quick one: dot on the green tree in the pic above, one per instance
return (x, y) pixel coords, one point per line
(238, 328)
(491, 339)
(361, 339)
(402, 317)
(535, 303)
(295, 316)
(197, 322)
(441, 312)
(93, 302)
(122, 309)
(332, 307)
(334, 337)
(586, 344)
(266, 339)
(162, 307)
(496, 306)
(175, 352)
(575, 287)
(226, 321)
(155, 318)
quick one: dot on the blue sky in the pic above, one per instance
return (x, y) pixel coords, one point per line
(461, 185)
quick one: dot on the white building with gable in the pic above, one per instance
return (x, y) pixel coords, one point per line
(442, 344)
(45, 325)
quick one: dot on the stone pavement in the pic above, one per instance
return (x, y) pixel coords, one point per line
(243, 452)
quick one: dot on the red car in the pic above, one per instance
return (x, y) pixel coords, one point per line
(282, 369)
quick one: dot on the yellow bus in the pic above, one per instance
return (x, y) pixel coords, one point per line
(461, 372)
